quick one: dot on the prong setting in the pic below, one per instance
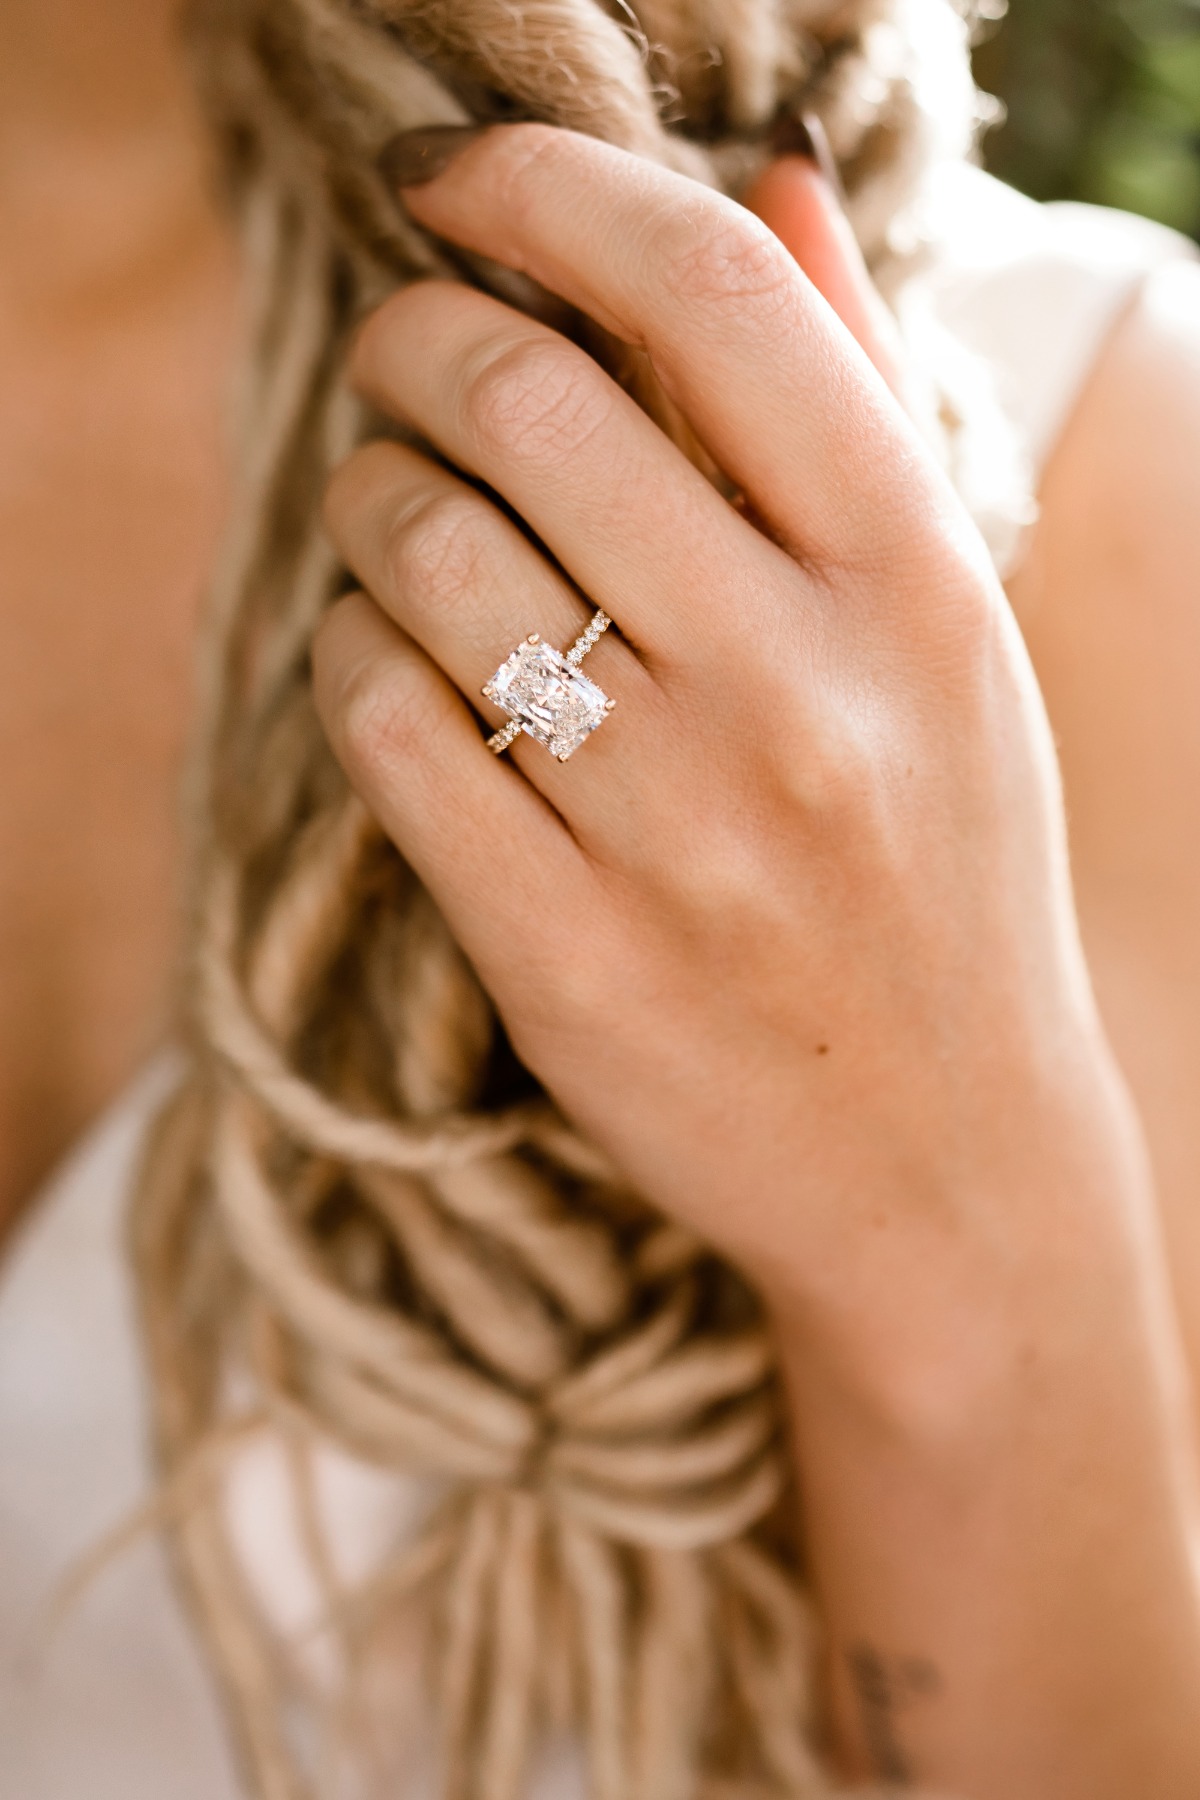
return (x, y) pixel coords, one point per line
(546, 696)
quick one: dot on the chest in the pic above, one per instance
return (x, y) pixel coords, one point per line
(111, 492)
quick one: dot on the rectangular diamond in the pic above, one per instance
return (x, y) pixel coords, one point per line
(553, 702)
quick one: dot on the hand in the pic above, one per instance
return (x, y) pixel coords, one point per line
(791, 935)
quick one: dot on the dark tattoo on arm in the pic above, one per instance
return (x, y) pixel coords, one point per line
(883, 1686)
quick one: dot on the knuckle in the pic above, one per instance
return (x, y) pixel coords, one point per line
(821, 758)
(948, 632)
(725, 262)
(968, 636)
(434, 548)
(970, 608)
(381, 720)
(536, 400)
(836, 780)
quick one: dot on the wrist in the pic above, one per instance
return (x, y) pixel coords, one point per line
(933, 1283)
(997, 1469)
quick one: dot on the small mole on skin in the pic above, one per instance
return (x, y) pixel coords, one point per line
(919, 1676)
(822, 1049)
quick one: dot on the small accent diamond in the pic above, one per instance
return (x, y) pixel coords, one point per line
(587, 638)
(548, 698)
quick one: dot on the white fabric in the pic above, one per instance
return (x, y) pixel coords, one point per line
(1034, 291)
(118, 1705)
(115, 1706)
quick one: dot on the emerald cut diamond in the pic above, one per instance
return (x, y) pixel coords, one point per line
(547, 697)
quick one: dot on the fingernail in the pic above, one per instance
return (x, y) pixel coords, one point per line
(803, 134)
(412, 158)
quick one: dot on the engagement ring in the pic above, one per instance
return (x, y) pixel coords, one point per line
(544, 694)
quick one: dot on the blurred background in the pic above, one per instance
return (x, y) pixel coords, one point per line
(1102, 100)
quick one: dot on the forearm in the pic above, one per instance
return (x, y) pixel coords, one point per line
(995, 1463)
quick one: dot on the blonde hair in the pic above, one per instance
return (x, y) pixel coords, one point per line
(360, 1221)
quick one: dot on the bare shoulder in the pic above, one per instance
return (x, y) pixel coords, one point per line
(1110, 597)
(1123, 479)
(1110, 604)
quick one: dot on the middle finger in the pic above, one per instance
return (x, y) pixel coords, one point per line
(613, 499)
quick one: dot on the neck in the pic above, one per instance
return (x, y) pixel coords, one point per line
(94, 68)
(102, 152)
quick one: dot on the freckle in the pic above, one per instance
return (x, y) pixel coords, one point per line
(908, 771)
(822, 1049)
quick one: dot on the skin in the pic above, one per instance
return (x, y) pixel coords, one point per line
(963, 1255)
(117, 318)
(837, 1017)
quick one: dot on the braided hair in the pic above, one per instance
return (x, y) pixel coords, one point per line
(360, 1221)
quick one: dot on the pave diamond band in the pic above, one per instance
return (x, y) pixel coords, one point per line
(507, 734)
(591, 634)
(545, 695)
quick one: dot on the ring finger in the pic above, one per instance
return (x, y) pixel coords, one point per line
(465, 583)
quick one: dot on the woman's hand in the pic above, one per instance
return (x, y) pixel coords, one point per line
(792, 931)
(792, 937)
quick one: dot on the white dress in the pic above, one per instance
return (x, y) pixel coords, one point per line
(116, 1703)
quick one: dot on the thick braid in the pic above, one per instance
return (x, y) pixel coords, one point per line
(360, 1221)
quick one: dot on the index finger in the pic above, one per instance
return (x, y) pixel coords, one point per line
(769, 377)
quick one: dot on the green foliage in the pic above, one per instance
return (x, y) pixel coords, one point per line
(1103, 103)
